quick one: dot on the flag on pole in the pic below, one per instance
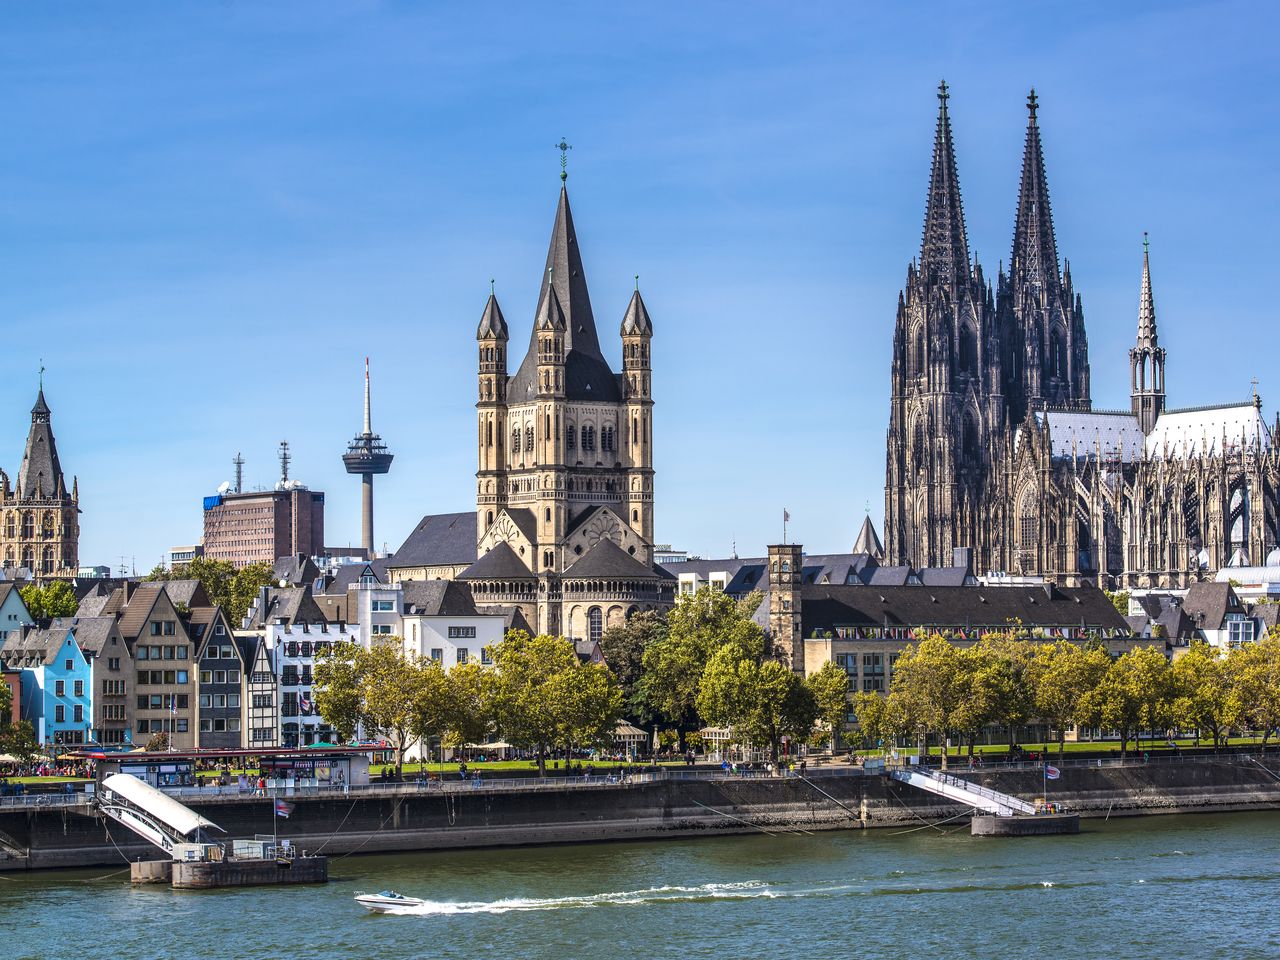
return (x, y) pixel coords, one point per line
(786, 517)
(283, 809)
(1051, 772)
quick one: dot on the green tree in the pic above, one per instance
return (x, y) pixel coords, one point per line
(158, 743)
(17, 737)
(392, 686)
(623, 647)
(762, 701)
(927, 687)
(469, 696)
(988, 685)
(1120, 600)
(1204, 697)
(544, 697)
(245, 585)
(1064, 677)
(1255, 670)
(54, 599)
(1135, 692)
(339, 697)
(830, 689)
(432, 709)
(215, 577)
(697, 626)
(378, 688)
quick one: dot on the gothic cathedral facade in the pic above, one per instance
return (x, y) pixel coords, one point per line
(564, 487)
(993, 442)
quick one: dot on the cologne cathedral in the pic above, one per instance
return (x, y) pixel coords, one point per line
(993, 442)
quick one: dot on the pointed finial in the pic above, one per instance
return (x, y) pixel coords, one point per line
(1146, 243)
(943, 96)
(564, 149)
(637, 283)
(42, 373)
(1033, 103)
(491, 286)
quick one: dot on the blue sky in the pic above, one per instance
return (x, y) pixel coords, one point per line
(211, 212)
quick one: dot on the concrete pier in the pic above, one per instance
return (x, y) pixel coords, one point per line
(205, 874)
(1041, 825)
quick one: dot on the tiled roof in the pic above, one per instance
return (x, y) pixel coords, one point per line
(442, 539)
(500, 563)
(607, 559)
(438, 598)
(825, 608)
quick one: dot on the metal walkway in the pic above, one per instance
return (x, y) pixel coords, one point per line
(962, 791)
(157, 818)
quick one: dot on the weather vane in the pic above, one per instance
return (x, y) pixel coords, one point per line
(42, 373)
(564, 149)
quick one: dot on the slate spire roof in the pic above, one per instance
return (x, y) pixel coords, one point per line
(41, 472)
(492, 323)
(944, 252)
(1147, 305)
(636, 322)
(564, 284)
(1035, 250)
(868, 541)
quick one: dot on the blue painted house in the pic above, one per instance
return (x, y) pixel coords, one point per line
(56, 680)
(13, 612)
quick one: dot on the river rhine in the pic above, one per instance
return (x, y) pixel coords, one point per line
(1166, 887)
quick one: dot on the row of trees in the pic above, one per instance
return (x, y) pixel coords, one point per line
(539, 697)
(944, 691)
(707, 662)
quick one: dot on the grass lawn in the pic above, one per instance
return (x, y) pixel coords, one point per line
(43, 780)
(1091, 746)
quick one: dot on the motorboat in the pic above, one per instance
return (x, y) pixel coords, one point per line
(387, 901)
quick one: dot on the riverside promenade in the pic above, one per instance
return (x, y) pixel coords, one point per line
(62, 830)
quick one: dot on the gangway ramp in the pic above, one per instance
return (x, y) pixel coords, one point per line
(152, 815)
(963, 791)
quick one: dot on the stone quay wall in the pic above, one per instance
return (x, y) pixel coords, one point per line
(405, 818)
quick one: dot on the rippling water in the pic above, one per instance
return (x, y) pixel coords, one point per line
(1166, 887)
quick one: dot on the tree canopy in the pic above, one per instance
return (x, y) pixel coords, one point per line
(53, 599)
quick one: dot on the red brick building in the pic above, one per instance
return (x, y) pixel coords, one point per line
(260, 526)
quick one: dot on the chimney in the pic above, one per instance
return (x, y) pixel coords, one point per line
(962, 557)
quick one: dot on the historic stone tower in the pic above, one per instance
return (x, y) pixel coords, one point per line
(947, 381)
(564, 484)
(1146, 359)
(41, 529)
(993, 443)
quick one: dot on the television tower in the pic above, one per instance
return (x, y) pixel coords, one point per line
(367, 455)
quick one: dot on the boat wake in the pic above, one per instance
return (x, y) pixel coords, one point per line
(746, 890)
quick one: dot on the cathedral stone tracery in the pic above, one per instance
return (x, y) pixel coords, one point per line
(993, 443)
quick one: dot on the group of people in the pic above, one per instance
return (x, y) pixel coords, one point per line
(766, 768)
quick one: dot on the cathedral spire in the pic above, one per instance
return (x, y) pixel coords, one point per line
(1146, 359)
(1147, 306)
(944, 252)
(1035, 251)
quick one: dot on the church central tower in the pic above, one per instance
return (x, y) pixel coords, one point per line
(564, 495)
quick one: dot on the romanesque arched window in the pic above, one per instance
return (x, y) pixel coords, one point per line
(570, 436)
(588, 437)
(515, 439)
(595, 623)
(606, 437)
(528, 438)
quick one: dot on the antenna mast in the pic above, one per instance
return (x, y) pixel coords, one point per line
(284, 461)
(238, 461)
